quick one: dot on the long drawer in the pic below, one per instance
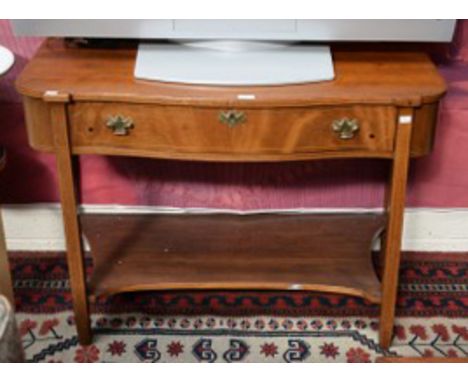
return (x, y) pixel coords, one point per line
(231, 134)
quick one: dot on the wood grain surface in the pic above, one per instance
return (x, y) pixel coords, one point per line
(395, 207)
(266, 134)
(363, 78)
(68, 200)
(402, 78)
(330, 253)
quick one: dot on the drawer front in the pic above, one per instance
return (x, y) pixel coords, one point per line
(213, 133)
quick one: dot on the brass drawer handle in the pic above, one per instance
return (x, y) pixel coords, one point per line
(346, 128)
(119, 124)
(232, 118)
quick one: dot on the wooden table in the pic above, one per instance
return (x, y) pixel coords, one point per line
(381, 105)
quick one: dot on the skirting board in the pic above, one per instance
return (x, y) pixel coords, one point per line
(38, 227)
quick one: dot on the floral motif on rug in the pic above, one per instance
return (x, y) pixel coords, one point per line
(142, 338)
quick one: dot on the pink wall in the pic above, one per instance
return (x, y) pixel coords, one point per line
(439, 180)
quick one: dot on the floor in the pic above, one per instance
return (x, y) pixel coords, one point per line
(244, 326)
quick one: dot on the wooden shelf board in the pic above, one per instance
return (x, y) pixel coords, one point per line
(320, 252)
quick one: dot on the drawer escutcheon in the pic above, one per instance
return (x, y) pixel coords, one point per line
(346, 128)
(232, 118)
(119, 124)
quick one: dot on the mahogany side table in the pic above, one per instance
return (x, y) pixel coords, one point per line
(381, 105)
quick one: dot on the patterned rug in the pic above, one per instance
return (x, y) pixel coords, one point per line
(218, 326)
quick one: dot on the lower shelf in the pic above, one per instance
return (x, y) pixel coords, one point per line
(320, 252)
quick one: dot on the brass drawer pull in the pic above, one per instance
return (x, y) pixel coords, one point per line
(119, 124)
(232, 118)
(345, 128)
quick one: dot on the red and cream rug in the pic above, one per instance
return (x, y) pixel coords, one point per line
(219, 326)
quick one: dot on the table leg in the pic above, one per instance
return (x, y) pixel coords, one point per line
(75, 257)
(395, 205)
